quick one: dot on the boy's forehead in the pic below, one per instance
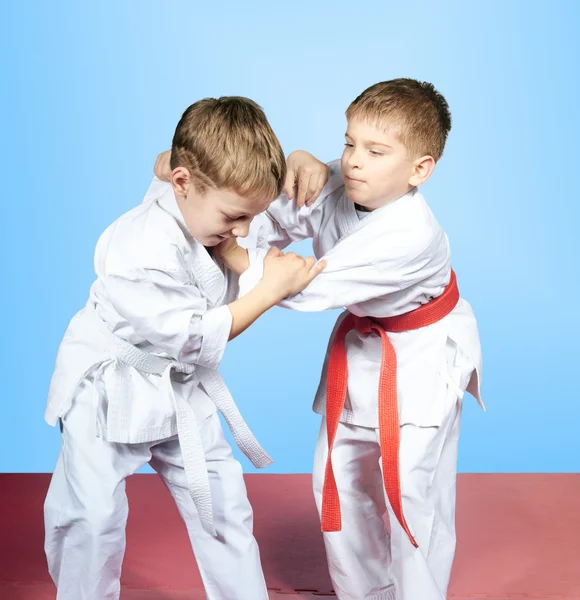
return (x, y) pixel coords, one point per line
(247, 204)
(384, 132)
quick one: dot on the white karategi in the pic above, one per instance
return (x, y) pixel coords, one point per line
(385, 263)
(135, 383)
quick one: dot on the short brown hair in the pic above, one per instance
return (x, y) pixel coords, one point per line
(419, 111)
(227, 143)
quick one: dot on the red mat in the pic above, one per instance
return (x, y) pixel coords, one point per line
(518, 537)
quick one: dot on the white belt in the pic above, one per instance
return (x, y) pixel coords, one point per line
(125, 354)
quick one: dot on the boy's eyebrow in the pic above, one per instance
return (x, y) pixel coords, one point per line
(378, 144)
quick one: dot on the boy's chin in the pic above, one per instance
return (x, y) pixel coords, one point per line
(213, 240)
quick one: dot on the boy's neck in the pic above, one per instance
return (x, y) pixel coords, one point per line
(366, 209)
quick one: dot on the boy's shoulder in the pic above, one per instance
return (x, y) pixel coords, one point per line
(402, 230)
(412, 214)
(419, 227)
(145, 237)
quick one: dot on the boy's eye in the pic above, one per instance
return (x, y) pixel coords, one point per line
(375, 153)
(349, 145)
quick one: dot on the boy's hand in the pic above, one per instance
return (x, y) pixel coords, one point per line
(288, 274)
(308, 174)
(232, 256)
(162, 169)
(284, 275)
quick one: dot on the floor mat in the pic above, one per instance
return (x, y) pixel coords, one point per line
(518, 538)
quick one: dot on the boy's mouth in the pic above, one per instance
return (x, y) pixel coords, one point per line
(353, 179)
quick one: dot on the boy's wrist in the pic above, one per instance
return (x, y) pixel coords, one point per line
(268, 294)
(237, 260)
(234, 257)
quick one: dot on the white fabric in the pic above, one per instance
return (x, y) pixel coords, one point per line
(366, 559)
(121, 359)
(152, 336)
(387, 263)
(158, 289)
(86, 509)
(383, 264)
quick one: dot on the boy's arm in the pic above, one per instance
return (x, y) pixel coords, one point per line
(362, 267)
(285, 222)
(165, 309)
(233, 256)
(345, 286)
(281, 273)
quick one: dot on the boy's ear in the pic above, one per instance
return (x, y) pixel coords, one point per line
(422, 169)
(181, 181)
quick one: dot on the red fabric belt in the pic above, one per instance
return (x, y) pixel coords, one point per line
(336, 388)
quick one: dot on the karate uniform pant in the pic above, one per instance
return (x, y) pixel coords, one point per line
(365, 561)
(86, 511)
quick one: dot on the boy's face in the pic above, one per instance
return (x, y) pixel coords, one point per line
(216, 215)
(375, 165)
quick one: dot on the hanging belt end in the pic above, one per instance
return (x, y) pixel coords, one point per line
(265, 462)
(411, 538)
(209, 527)
(258, 457)
(331, 528)
(331, 522)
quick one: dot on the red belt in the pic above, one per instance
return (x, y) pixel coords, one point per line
(336, 387)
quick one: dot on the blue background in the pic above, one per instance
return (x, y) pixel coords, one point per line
(92, 92)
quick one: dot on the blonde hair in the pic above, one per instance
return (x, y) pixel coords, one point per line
(227, 143)
(419, 113)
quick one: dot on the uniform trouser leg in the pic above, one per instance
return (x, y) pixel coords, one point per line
(428, 468)
(359, 556)
(229, 564)
(364, 560)
(85, 511)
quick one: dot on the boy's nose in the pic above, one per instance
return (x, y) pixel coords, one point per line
(354, 161)
(241, 230)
